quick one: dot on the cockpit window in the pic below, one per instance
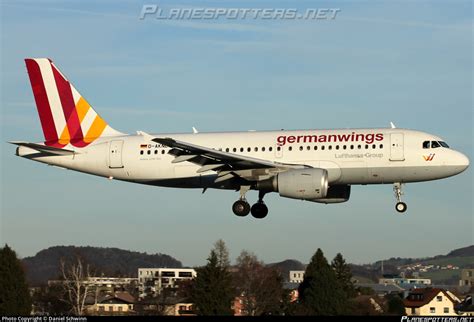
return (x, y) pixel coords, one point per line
(444, 144)
(426, 145)
(435, 144)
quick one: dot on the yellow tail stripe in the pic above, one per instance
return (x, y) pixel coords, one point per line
(82, 107)
(95, 130)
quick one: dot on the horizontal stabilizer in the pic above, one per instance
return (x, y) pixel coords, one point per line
(44, 148)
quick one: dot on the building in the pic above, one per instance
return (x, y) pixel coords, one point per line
(296, 277)
(467, 277)
(152, 280)
(430, 301)
(382, 289)
(104, 283)
(404, 281)
(118, 303)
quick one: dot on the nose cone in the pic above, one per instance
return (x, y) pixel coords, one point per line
(460, 161)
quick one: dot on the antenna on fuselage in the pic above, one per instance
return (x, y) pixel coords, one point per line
(392, 125)
(195, 131)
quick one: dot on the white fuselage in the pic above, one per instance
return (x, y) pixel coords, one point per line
(351, 156)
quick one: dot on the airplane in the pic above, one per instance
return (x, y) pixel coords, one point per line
(312, 165)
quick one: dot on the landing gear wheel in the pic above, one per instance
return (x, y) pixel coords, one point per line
(401, 207)
(241, 208)
(259, 210)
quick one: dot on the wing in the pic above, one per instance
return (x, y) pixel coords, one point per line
(227, 165)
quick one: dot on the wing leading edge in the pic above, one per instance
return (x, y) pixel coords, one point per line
(227, 165)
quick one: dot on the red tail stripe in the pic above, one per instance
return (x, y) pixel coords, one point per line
(69, 108)
(42, 103)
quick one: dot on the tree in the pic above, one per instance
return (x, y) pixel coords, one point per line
(395, 305)
(222, 253)
(320, 293)
(14, 295)
(212, 292)
(48, 299)
(259, 287)
(343, 275)
(75, 277)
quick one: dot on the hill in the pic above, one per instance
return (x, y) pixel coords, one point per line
(462, 257)
(288, 265)
(108, 261)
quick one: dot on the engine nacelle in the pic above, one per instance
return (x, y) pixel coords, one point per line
(336, 194)
(306, 184)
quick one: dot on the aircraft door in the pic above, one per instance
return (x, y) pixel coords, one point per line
(115, 154)
(396, 147)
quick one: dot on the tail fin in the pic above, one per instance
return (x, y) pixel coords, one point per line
(66, 117)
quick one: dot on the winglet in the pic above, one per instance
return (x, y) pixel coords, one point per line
(392, 125)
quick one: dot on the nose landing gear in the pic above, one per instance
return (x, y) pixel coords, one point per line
(401, 207)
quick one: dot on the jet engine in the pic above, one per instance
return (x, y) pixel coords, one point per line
(305, 184)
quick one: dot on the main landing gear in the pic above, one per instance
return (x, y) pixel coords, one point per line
(401, 207)
(242, 208)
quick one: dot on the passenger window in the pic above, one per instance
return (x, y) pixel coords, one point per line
(234, 149)
(301, 148)
(337, 147)
(256, 149)
(315, 147)
(148, 152)
(263, 149)
(271, 149)
(373, 146)
(366, 146)
(162, 151)
(435, 144)
(308, 148)
(241, 149)
(344, 147)
(226, 149)
(322, 147)
(381, 146)
(426, 145)
(330, 147)
(359, 146)
(249, 149)
(156, 151)
(141, 152)
(352, 147)
(290, 148)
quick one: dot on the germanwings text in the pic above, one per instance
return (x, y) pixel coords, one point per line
(323, 138)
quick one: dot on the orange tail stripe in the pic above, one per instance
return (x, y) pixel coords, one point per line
(65, 137)
(82, 107)
(95, 130)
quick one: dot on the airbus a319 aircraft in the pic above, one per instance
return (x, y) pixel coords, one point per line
(313, 165)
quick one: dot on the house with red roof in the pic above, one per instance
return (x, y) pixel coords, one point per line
(430, 301)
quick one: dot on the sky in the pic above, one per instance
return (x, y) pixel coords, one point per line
(377, 62)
